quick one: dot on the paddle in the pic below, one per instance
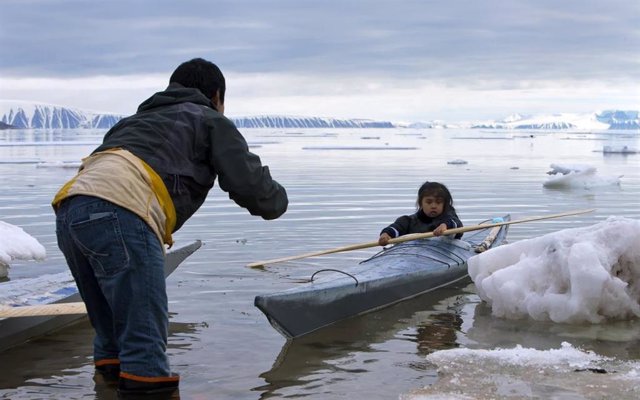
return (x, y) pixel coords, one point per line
(414, 236)
(43, 310)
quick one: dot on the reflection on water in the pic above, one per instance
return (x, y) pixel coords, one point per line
(620, 339)
(225, 348)
(424, 324)
(56, 364)
(438, 333)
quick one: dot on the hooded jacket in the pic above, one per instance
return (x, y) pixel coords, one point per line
(189, 144)
(420, 223)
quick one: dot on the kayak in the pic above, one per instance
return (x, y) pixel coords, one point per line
(396, 273)
(55, 289)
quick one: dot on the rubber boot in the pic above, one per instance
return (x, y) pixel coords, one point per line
(161, 387)
(107, 372)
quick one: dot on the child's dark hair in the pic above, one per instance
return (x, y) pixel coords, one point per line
(200, 74)
(437, 190)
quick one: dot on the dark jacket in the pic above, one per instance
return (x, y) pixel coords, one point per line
(420, 223)
(188, 144)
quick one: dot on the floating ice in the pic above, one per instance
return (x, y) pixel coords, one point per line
(578, 176)
(566, 169)
(59, 164)
(566, 355)
(589, 274)
(359, 148)
(524, 373)
(16, 244)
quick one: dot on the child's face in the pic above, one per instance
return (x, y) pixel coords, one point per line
(432, 206)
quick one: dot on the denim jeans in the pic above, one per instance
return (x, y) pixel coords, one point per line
(118, 265)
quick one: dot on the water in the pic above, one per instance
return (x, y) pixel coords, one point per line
(344, 187)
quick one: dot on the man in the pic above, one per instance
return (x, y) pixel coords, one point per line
(151, 173)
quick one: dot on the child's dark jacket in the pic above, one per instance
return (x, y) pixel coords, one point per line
(420, 223)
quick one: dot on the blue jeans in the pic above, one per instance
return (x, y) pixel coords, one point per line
(117, 262)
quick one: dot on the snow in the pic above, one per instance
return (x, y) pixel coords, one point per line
(564, 373)
(29, 108)
(578, 176)
(573, 121)
(16, 244)
(578, 121)
(588, 275)
(567, 355)
(578, 275)
(6, 106)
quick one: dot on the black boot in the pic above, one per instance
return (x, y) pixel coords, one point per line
(107, 372)
(134, 387)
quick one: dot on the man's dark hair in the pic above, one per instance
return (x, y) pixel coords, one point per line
(200, 74)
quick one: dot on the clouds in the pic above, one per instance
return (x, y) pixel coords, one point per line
(345, 48)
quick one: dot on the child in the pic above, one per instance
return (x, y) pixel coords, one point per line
(435, 213)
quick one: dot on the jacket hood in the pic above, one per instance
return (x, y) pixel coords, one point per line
(175, 94)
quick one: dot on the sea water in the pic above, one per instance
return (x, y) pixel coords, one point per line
(344, 186)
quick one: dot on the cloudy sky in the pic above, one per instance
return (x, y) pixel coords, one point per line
(403, 60)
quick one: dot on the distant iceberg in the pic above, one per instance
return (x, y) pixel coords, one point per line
(270, 121)
(578, 176)
(25, 115)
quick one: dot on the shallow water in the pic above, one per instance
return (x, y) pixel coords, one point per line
(344, 186)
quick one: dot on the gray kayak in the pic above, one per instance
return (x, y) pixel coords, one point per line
(395, 274)
(54, 289)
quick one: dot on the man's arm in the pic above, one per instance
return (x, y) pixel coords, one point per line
(242, 175)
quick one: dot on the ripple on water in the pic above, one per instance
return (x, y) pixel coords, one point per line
(220, 343)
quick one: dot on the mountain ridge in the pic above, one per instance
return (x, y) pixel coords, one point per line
(33, 115)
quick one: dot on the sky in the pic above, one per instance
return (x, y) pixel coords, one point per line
(402, 61)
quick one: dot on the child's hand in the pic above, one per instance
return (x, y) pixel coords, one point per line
(383, 240)
(440, 230)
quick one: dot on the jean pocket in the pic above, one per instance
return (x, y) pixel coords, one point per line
(100, 240)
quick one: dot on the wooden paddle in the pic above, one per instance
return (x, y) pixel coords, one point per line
(414, 236)
(43, 310)
(79, 307)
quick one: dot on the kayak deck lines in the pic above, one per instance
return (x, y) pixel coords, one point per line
(403, 271)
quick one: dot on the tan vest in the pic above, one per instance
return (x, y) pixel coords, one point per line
(122, 178)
